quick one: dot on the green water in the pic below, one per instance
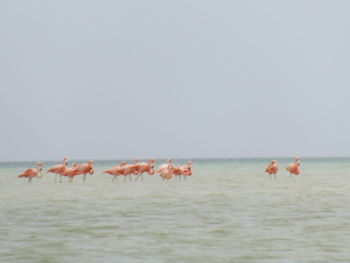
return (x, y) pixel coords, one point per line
(228, 211)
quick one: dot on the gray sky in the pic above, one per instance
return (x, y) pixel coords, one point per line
(123, 79)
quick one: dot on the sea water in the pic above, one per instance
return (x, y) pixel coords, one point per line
(227, 211)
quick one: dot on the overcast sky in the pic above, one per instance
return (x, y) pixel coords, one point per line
(123, 79)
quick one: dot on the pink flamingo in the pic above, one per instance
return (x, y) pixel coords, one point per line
(184, 170)
(147, 167)
(71, 172)
(33, 172)
(86, 168)
(59, 169)
(187, 170)
(130, 169)
(116, 171)
(164, 166)
(166, 171)
(272, 169)
(177, 171)
(293, 168)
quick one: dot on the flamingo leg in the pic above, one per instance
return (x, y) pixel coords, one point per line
(140, 175)
(55, 178)
(124, 178)
(84, 177)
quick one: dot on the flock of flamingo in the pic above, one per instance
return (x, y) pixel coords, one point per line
(292, 168)
(165, 171)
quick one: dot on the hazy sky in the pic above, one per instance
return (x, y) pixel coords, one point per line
(122, 79)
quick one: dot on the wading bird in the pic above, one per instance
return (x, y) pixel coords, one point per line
(187, 170)
(147, 167)
(272, 169)
(130, 169)
(184, 170)
(293, 168)
(116, 171)
(71, 172)
(33, 172)
(59, 169)
(86, 168)
(164, 165)
(166, 171)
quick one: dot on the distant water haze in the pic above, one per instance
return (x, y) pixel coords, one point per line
(158, 79)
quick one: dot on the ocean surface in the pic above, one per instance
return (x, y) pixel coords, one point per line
(227, 211)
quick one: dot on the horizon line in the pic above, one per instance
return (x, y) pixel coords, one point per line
(187, 158)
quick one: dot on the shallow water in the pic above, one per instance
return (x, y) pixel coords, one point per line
(228, 211)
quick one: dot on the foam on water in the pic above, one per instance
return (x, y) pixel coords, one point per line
(228, 211)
